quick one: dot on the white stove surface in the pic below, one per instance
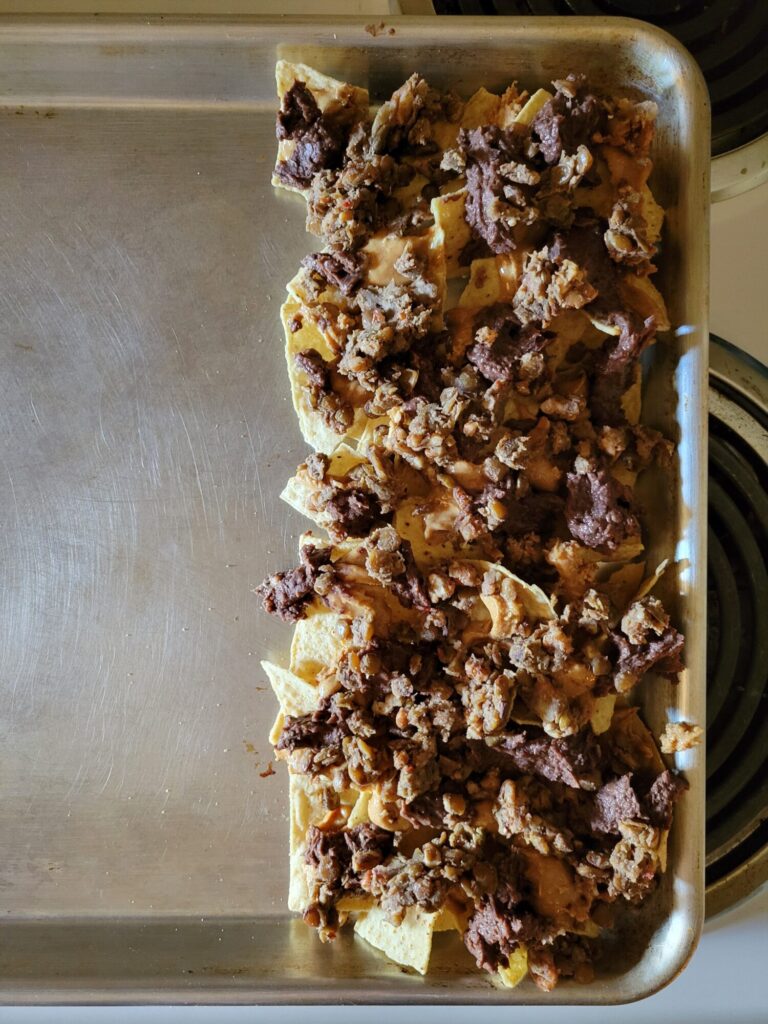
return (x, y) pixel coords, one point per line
(738, 284)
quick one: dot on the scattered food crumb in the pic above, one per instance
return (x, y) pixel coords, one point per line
(269, 771)
(678, 736)
(376, 30)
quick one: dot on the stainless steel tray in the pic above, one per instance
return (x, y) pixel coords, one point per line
(145, 435)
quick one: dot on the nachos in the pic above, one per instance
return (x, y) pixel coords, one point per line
(472, 607)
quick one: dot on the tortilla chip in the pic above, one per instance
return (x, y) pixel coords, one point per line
(318, 641)
(306, 807)
(355, 904)
(408, 195)
(329, 93)
(512, 104)
(518, 968)
(647, 585)
(622, 585)
(359, 813)
(600, 197)
(643, 296)
(408, 943)
(296, 696)
(533, 599)
(451, 231)
(277, 727)
(602, 716)
(368, 434)
(605, 327)
(327, 291)
(493, 279)
(533, 106)
(447, 921)
(481, 108)
(632, 399)
(429, 526)
(652, 214)
(313, 429)
(348, 102)
(383, 250)
(625, 169)
(636, 741)
(298, 491)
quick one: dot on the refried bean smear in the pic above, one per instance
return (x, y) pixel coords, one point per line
(463, 354)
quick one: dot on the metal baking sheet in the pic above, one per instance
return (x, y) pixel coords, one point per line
(145, 433)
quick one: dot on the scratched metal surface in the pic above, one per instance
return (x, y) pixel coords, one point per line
(145, 432)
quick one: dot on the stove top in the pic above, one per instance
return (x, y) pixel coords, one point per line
(737, 641)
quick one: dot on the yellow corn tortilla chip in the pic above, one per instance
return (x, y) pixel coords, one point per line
(329, 93)
(355, 904)
(368, 434)
(298, 490)
(642, 295)
(359, 813)
(383, 250)
(429, 526)
(512, 105)
(318, 641)
(328, 293)
(533, 106)
(447, 921)
(408, 943)
(493, 279)
(313, 429)
(632, 400)
(625, 168)
(652, 214)
(623, 583)
(451, 231)
(636, 740)
(600, 197)
(518, 968)
(348, 102)
(296, 696)
(533, 599)
(481, 108)
(277, 727)
(408, 194)
(602, 715)
(305, 807)
(647, 585)
(445, 134)
(308, 805)
(605, 327)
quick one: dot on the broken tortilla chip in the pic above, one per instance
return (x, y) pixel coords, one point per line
(602, 715)
(516, 970)
(451, 232)
(346, 103)
(314, 431)
(534, 601)
(408, 943)
(296, 696)
(493, 279)
(533, 106)
(318, 640)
